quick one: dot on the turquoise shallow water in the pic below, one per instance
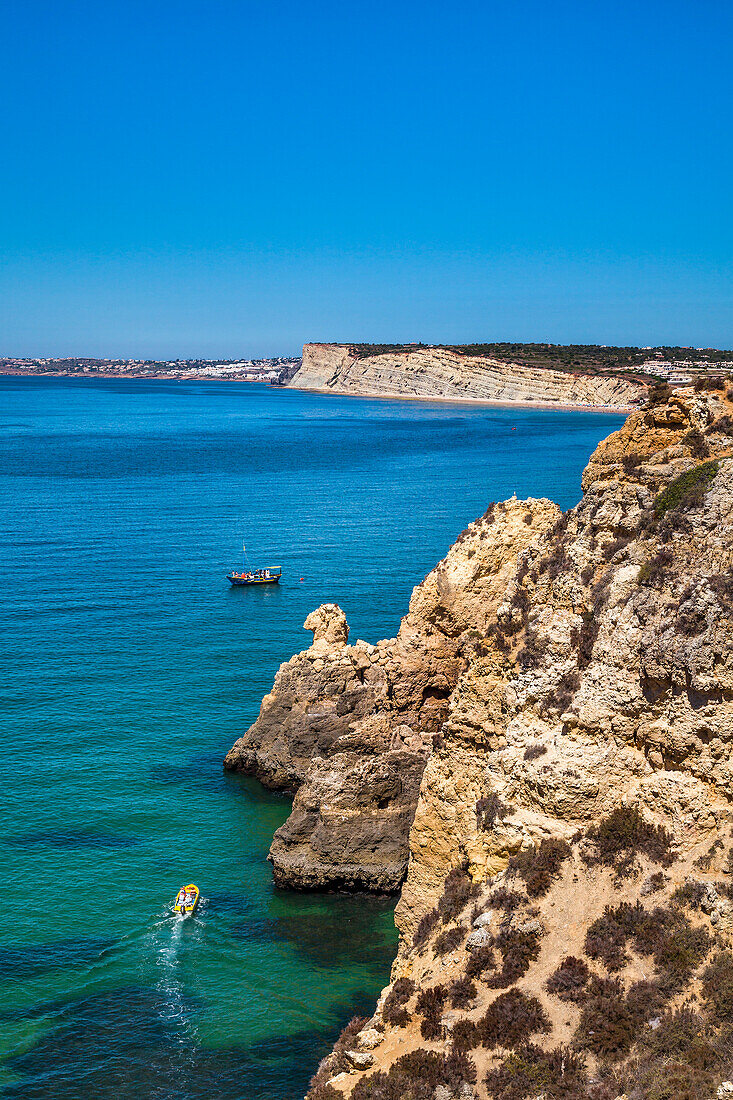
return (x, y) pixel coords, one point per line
(130, 667)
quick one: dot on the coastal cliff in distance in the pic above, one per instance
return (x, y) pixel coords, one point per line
(457, 374)
(563, 683)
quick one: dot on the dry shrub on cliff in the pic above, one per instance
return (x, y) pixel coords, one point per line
(681, 1059)
(717, 988)
(697, 443)
(464, 1036)
(722, 426)
(568, 982)
(691, 621)
(504, 898)
(612, 548)
(560, 699)
(477, 527)
(520, 600)
(393, 1010)
(654, 883)
(709, 383)
(539, 866)
(676, 947)
(462, 992)
(692, 893)
(681, 951)
(518, 951)
(346, 1041)
(323, 1092)
(558, 1074)
(658, 393)
(458, 1070)
(416, 1076)
(488, 810)
(430, 1005)
(449, 940)
(606, 940)
(653, 572)
(559, 527)
(497, 632)
(480, 961)
(558, 562)
(335, 1062)
(534, 751)
(620, 838)
(705, 861)
(587, 636)
(534, 649)
(511, 1019)
(608, 1023)
(427, 923)
(458, 890)
(722, 586)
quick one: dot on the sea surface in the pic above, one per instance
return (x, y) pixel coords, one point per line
(129, 667)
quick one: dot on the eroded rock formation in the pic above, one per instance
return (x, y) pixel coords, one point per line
(440, 372)
(349, 727)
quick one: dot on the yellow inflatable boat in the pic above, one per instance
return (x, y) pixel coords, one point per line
(187, 899)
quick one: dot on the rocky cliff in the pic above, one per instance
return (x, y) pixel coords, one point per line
(349, 727)
(443, 373)
(564, 686)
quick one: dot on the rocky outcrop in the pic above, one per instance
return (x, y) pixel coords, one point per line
(446, 374)
(349, 727)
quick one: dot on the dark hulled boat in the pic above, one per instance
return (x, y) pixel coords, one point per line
(256, 576)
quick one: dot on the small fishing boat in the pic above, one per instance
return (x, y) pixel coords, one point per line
(186, 900)
(254, 576)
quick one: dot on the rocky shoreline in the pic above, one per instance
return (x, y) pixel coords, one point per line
(540, 762)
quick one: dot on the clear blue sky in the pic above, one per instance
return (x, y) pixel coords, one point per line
(224, 178)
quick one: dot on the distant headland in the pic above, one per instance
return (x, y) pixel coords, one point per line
(572, 376)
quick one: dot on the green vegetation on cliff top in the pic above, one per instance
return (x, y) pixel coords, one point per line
(589, 358)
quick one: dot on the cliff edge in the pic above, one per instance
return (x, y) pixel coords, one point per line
(427, 372)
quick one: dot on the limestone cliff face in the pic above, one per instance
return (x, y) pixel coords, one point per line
(613, 652)
(438, 372)
(575, 808)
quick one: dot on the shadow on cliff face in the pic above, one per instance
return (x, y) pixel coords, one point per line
(124, 1044)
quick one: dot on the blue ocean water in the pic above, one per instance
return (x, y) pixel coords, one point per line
(130, 667)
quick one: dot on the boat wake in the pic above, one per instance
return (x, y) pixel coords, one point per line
(173, 941)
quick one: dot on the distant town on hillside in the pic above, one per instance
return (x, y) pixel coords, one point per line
(275, 371)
